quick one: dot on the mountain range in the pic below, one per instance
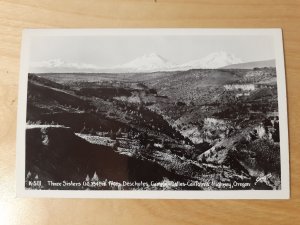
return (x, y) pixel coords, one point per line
(147, 63)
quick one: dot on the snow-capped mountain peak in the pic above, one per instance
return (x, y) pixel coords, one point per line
(59, 65)
(214, 60)
(148, 62)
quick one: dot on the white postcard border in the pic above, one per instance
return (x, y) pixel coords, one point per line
(284, 193)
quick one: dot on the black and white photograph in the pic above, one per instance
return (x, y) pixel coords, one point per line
(153, 113)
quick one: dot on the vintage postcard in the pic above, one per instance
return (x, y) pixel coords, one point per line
(153, 113)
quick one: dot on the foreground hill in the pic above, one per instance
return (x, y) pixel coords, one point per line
(55, 154)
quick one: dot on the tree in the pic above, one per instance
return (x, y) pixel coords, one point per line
(28, 176)
(95, 178)
(143, 138)
(152, 91)
(119, 133)
(276, 135)
(116, 145)
(112, 135)
(83, 130)
(148, 147)
(180, 103)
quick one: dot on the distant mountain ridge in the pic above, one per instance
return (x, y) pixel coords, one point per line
(147, 63)
(252, 65)
(213, 61)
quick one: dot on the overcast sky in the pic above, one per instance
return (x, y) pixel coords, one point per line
(115, 50)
